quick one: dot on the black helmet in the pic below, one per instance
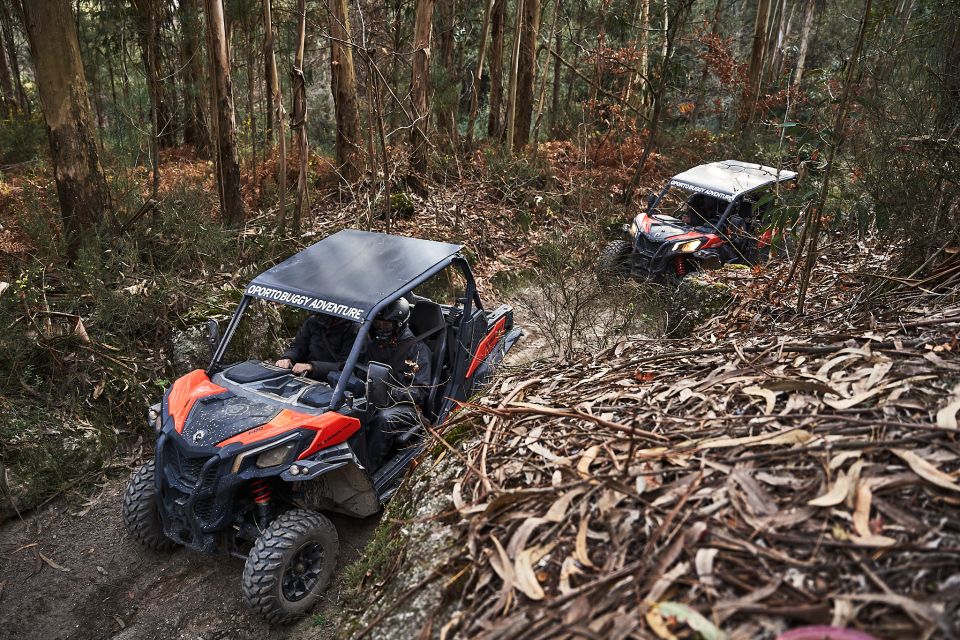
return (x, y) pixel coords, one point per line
(391, 321)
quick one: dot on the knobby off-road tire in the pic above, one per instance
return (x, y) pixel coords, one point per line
(278, 557)
(140, 515)
(614, 260)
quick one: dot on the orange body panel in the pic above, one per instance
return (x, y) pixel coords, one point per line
(185, 392)
(487, 344)
(331, 428)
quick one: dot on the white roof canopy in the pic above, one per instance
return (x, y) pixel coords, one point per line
(728, 179)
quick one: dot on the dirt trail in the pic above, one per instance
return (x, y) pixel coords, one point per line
(98, 583)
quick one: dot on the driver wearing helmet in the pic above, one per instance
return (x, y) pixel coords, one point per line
(321, 346)
(393, 343)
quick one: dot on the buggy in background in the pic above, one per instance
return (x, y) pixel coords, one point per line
(705, 217)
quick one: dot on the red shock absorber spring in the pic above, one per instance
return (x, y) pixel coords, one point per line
(260, 488)
(680, 266)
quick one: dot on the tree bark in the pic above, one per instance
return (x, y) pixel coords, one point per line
(343, 84)
(8, 97)
(526, 72)
(498, 18)
(148, 29)
(555, 91)
(755, 70)
(195, 131)
(228, 167)
(298, 119)
(804, 40)
(8, 42)
(55, 49)
(478, 73)
(420, 91)
(514, 69)
(445, 107)
(277, 111)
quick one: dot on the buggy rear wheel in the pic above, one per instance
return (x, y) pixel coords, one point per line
(614, 260)
(290, 565)
(140, 515)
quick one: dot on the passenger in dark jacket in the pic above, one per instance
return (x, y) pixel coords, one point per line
(322, 345)
(392, 343)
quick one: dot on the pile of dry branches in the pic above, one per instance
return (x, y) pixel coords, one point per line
(733, 484)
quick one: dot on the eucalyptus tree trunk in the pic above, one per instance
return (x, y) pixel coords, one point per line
(343, 84)
(275, 108)
(497, 18)
(8, 97)
(444, 107)
(8, 43)
(221, 87)
(478, 73)
(195, 131)
(514, 68)
(755, 70)
(526, 72)
(298, 119)
(55, 49)
(804, 40)
(420, 90)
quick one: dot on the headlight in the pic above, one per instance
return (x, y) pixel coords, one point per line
(688, 246)
(634, 228)
(275, 456)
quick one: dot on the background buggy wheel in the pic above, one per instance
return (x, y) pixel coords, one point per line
(290, 565)
(614, 260)
(140, 515)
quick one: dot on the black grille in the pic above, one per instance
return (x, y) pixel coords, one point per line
(188, 469)
(647, 246)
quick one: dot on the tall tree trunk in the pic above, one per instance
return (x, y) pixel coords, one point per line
(645, 49)
(814, 218)
(577, 47)
(598, 53)
(8, 97)
(298, 120)
(148, 28)
(657, 94)
(343, 84)
(228, 168)
(804, 40)
(445, 106)
(498, 18)
(9, 43)
(276, 108)
(514, 69)
(755, 70)
(555, 92)
(81, 187)
(478, 72)
(420, 91)
(195, 130)
(526, 72)
(251, 20)
(269, 72)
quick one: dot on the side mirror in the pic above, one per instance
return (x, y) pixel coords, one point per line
(213, 335)
(378, 385)
(651, 200)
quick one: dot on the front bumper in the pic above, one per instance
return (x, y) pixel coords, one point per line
(195, 493)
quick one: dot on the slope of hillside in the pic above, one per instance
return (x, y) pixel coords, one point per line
(767, 472)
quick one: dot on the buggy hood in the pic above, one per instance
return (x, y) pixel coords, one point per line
(348, 273)
(728, 179)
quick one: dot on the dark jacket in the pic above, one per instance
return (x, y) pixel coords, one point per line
(324, 346)
(410, 362)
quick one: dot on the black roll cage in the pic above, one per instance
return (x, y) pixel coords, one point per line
(471, 297)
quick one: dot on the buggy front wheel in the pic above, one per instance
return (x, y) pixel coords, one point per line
(614, 260)
(290, 565)
(140, 514)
